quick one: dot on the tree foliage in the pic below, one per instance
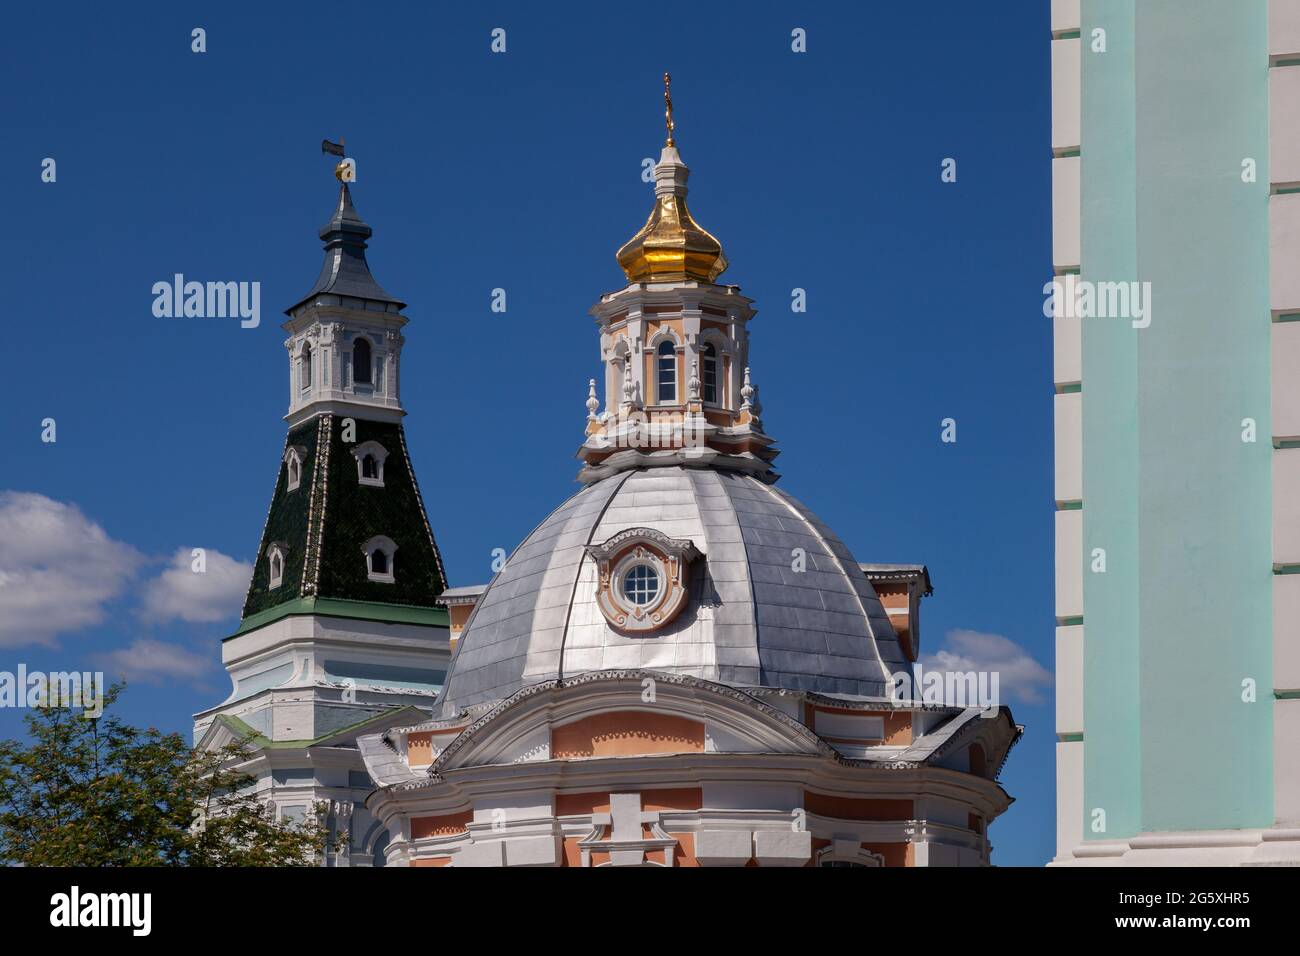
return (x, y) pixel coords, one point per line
(95, 791)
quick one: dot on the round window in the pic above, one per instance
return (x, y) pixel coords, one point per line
(641, 584)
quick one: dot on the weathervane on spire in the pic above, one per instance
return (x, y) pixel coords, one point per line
(346, 170)
(668, 111)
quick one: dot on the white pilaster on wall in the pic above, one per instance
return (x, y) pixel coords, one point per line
(1067, 376)
(1065, 211)
(1069, 680)
(1286, 769)
(1284, 301)
(1068, 419)
(1069, 735)
(1069, 564)
(1286, 649)
(1066, 16)
(1069, 798)
(1283, 30)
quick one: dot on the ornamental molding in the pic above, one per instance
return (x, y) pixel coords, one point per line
(670, 560)
(376, 451)
(797, 730)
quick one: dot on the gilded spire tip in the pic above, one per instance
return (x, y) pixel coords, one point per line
(668, 109)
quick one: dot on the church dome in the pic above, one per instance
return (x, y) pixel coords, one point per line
(671, 245)
(769, 596)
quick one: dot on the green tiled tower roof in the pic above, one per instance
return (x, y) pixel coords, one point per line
(322, 524)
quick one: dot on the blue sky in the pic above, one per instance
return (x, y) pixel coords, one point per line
(521, 171)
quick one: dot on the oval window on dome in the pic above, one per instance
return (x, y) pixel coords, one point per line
(641, 584)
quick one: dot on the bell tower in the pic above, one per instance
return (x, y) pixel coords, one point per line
(345, 335)
(343, 631)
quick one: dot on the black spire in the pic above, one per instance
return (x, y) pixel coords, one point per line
(345, 270)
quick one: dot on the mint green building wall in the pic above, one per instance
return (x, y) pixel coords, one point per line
(1181, 505)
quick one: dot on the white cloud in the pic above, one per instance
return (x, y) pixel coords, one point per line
(57, 569)
(181, 593)
(1020, 677)
(153, 662)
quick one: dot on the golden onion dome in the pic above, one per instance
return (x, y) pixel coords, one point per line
(671, 245)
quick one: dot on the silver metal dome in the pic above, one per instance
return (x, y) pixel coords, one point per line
(752, 619)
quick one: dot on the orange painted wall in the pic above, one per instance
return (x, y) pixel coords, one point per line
(419, 749)
(683, 798)
(684, 854)
(573, 854)
(856, 808)
(435, 861)
(571, 804)
(626, 733)
(440, 825)
(895, 854)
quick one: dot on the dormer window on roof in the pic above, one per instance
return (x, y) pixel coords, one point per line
(276, 552)
(380, 552)
(370, 456)
(293, 458)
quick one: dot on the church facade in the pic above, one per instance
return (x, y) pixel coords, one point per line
(681, 665)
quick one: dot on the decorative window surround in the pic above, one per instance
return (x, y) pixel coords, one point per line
(383, 570)
(847, 852)
(665, 373)
(305, 367)
(379, 454)
(276, 552)
(293, 459)
(620, 556)
(722, 359)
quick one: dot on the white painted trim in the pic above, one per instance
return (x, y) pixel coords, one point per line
(380, 455)
(388, 548)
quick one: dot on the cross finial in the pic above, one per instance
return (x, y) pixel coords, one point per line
(668, 109)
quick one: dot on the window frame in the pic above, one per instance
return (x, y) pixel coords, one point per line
(293, 461)
(651, 574)
(710, 366)
(666, 361)
(380, 455)
(276, 563)
(369, 380)
(388, 548)
(305, 377)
